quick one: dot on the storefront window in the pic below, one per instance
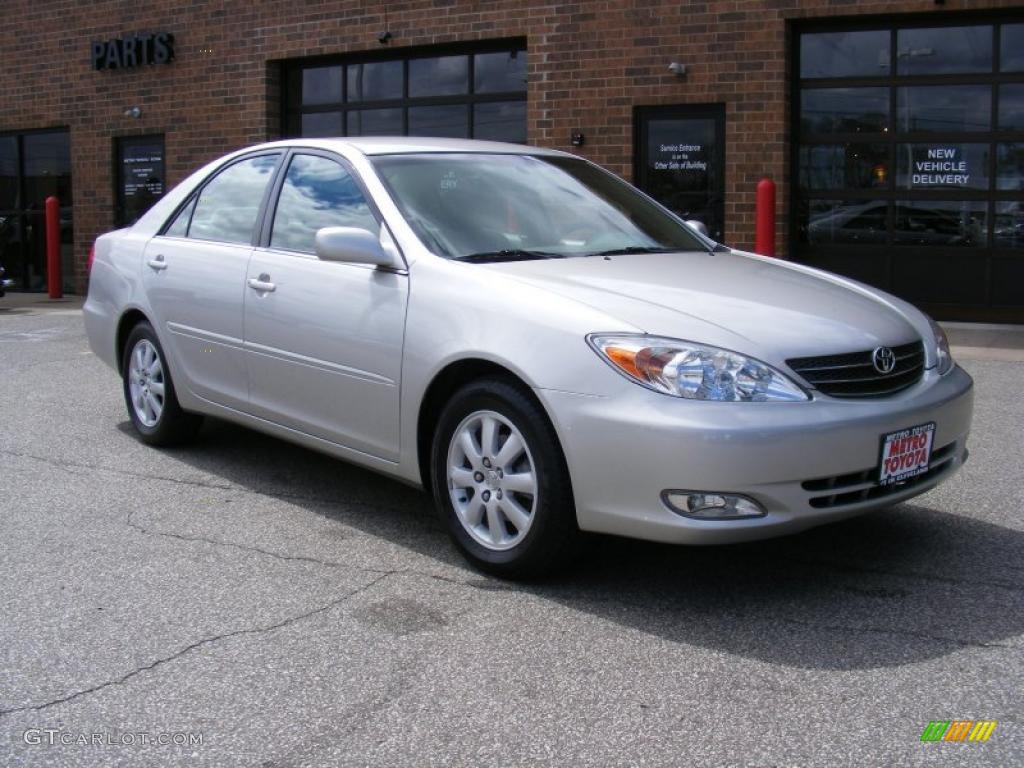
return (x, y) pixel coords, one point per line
(375, 81)
(476, 94)
(860, 222)
(944, 108)
(321, 85)
(844, 110)
(944, 50)
(940, 222)
(844, 166)
(942, 166)
(925, 201)
(1011, 107)
(844, 54)
(1010, 167)
(33, 166)
(1009, 228)
(1012, 48)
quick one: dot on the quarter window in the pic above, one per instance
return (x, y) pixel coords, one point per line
(317, 192)
(228, 205)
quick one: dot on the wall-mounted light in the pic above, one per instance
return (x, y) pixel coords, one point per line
(577, 138)
(135, 112)
(384, 37)
(677, 68)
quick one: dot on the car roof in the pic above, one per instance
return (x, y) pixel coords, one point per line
(389, 145)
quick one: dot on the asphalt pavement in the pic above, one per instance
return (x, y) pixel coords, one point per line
(253, 603)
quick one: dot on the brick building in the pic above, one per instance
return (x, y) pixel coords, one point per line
(894, 130)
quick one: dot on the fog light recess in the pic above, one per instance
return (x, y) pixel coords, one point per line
(712, 505)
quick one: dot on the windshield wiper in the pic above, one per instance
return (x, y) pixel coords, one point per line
(509, 254)
(635, 249)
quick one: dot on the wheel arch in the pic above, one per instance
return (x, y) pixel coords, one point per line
(127, 321)
(445, 383)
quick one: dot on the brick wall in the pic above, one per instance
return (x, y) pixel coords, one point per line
(590, 63)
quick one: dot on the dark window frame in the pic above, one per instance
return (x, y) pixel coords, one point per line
(293, 108)
(992, 196)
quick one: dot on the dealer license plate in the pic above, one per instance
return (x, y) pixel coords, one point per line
(905, 454)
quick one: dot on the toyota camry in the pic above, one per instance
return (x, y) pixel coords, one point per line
(540, 346)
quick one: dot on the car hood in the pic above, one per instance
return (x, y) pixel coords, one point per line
(748, 303)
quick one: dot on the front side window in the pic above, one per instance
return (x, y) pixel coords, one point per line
(317, 192)
(468, 206)
(228, 205)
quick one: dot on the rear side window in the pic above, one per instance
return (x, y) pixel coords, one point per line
(317, 192)
(228, 205)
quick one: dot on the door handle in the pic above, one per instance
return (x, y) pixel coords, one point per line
(158, 263)
(262, 283)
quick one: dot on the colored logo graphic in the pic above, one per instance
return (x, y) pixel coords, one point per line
(958, 730)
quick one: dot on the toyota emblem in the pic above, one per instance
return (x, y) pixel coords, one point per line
(884, 360)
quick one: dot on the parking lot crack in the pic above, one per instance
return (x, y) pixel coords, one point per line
(235, 545)
(196, 645)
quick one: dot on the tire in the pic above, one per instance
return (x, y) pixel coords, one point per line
(482, 506)
(149, 392)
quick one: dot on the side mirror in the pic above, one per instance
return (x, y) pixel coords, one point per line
(352, 245)
(698, 226)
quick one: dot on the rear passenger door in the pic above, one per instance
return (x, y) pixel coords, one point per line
(194, 277)
(324, 339)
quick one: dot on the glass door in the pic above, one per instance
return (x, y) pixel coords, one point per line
(34, 166)
(680, 161)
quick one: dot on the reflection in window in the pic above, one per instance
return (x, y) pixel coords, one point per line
(943, 50)
(499, 72)
(941, 222)
(844, 110)
(47, 168)
(228, 205)
(1010, 166)
(375, 122)
(861, 222)
(316, 124)
(375, 81)
(321, 85)
(317, 193)
(1011, 107)
(500, 121)
(945, 165)
(1011, 48)
(1009, 224)
(844, 166)
(179, 227)
(8, 172)
(942, 108)
(440, 76)
(845, 54)
(448, 121)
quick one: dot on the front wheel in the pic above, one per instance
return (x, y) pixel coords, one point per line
(501, 482)
(149, 392)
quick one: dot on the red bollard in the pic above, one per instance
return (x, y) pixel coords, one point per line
(764, 229)
(53, 271)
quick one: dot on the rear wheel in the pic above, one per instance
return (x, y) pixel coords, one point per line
(501, 483)
(149, 391)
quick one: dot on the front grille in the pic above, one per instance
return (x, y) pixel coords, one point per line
(862, 486)
(854, 374)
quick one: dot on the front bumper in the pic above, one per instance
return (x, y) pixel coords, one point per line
(806, 463)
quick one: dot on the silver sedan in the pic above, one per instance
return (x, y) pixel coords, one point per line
(532, 340)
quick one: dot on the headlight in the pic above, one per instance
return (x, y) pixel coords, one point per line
(943, 357)
(694, 371)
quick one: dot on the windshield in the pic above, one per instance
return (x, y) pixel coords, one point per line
(479, 207)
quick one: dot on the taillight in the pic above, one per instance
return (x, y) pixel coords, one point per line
(92, 255)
